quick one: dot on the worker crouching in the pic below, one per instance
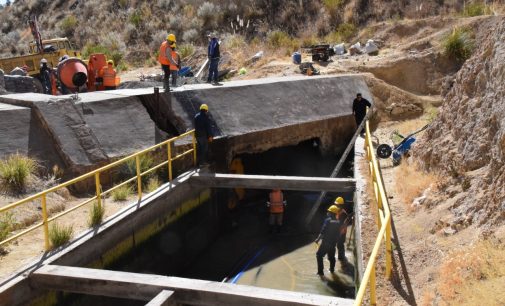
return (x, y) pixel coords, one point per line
(276, 206)
(330, 235)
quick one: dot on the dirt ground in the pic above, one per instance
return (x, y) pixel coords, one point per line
(423, 251)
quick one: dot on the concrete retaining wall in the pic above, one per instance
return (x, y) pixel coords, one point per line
(120, 234)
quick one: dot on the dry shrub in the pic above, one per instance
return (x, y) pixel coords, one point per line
(60, 234)
(15, 171)
(411, 181)
(474, 276)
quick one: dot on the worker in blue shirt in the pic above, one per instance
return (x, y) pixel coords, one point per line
(330, 234)
(203, 133)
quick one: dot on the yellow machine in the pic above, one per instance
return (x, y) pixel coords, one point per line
(51, 49)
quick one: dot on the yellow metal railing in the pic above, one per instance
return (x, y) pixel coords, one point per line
(383, 222)
(98, 188)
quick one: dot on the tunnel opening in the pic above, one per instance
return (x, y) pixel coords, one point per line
(228, 238)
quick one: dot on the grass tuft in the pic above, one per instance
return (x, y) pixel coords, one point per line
(153, 184)
(60, 235)
(186, 51)
(15, 172)
(96, 215)
(459, 44)
(476, 9)
(6, 225)
(122, 193)
(411, 181)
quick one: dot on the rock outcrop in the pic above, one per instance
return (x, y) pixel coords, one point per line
(467, 140)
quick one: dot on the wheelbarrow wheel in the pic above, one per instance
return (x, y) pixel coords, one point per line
(384, 151)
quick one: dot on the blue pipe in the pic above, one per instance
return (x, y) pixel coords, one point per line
(239, 275)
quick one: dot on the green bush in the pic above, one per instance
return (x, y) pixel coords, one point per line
(476, 9)
(122, 193)
(136, 18)
(96, 215)
(186, 51)
(332, 4)
(60, 235)
(15, 172)
(146, 162)
(153, 184)
(459, 44)
(6, 225)
(68, 25)
(347, 30)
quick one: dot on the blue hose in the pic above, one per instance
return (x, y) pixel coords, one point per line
(239, 275)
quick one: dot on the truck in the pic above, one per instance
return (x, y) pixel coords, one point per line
(51, 49)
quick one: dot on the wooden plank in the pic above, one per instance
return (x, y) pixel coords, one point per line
(187, 291)
(220, 180)
(164, 298)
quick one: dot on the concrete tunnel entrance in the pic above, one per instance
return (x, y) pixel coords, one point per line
(218, 243)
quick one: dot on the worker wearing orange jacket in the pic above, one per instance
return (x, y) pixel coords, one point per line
(276, 206)
(174, 68)
(108, 74)
(166, 60)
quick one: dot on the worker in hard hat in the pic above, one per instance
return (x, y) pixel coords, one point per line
(166, 60)
(203, 133)
(108, 75)
(329, 236)
(276, 206)
(344, 216)
(174, 69)
(214, 56)
(45, 76)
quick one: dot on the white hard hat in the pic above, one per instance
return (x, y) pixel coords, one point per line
(43, 61)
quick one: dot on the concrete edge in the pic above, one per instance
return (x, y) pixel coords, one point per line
(359, 153)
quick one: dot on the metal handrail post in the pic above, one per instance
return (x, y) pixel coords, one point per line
(194, 149)
(45, 223)
(98, 190)
(139, 178)
(169, 153)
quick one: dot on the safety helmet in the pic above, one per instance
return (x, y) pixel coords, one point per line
(171, 37)
(110, 62)
(339, 201)
(43, 61)
(204, 107)
(333, 209)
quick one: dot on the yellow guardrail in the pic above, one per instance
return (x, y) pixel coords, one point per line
(98, 188)
(383, 222)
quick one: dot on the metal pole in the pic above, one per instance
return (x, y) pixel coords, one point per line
(98, 190)
(194, 149)
(169, 150)
(44, 222)
(139, 178)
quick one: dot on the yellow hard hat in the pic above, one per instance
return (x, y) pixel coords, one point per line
(110, 62)
(171, 37)
(333, 209)
(339, 201)
(204, 107)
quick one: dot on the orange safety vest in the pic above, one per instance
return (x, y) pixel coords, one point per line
(276, 202)
(109, 76)
(162, 57)
(175, 58)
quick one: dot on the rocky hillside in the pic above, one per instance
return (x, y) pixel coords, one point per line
(133, 29)
(467, 139)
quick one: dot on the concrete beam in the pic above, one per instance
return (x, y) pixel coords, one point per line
(164, 298)
(219, 180)
(187, 291)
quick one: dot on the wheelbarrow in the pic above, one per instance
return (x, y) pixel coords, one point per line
(399, 150)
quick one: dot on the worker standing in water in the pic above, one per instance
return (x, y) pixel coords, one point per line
(108, 74)
(330, 234)
(203, 134)
(276, 206)
(166, 60)
(345, 218)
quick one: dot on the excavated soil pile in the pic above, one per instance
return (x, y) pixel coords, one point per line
(467, 140)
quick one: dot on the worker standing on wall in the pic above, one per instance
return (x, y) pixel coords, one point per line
(108, 74)
(175, 65)
(359, 106)
(276, 206)
(203, 133)
(166, 60)
(45, 76)
(329, 235)
(214, 56)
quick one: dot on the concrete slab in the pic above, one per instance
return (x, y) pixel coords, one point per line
(14, 129)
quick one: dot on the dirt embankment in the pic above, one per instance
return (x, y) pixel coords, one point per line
(467, 140)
